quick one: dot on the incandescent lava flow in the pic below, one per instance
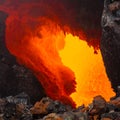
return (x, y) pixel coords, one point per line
(89, 70)
(64, 64)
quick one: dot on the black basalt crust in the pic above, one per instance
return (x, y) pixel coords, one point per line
(110, 42)
(15, 78)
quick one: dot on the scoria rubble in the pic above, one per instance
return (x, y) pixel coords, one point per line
(19, 108)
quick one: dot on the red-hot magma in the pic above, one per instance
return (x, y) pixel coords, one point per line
(64, 64)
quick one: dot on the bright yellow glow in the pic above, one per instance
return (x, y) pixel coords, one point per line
(88, 68)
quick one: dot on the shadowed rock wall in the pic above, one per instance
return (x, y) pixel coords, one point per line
(110, 43)
(13, 77)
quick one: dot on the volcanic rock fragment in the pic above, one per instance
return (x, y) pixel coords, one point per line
(41, 107)
(15, 108)
(52, 116)
(116, 102)
(99, 107)
(47, 105)
(111, 116)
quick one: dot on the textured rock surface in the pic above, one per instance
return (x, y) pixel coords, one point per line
(19, 108)
(13, 77)
(110, 43)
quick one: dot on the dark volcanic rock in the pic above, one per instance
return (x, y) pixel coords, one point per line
(110, 43)
(19, 108)
(15, 108)
(15, 78)
(47, 105)
(111, 116)
(99, 105)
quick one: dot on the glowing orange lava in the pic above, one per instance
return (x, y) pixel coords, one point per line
(88, 68)
(37, 35)
(57, 58)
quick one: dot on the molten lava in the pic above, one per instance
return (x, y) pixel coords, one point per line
(66, 66)
(88, 68)
(58, 60)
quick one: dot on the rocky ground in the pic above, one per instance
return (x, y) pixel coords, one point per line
(19, 108)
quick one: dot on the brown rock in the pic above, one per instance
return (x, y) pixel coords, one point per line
(20, 109)
(106, 119)
(114, 6)
(52, 116)
(99, 105)
(116, 102)
(41, 107)
(1, 117)
(81, 116)
(69, 116)
(111, 115)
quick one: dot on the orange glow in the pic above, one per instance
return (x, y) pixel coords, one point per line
(57, 58)
(88, 68)
(67, 68)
